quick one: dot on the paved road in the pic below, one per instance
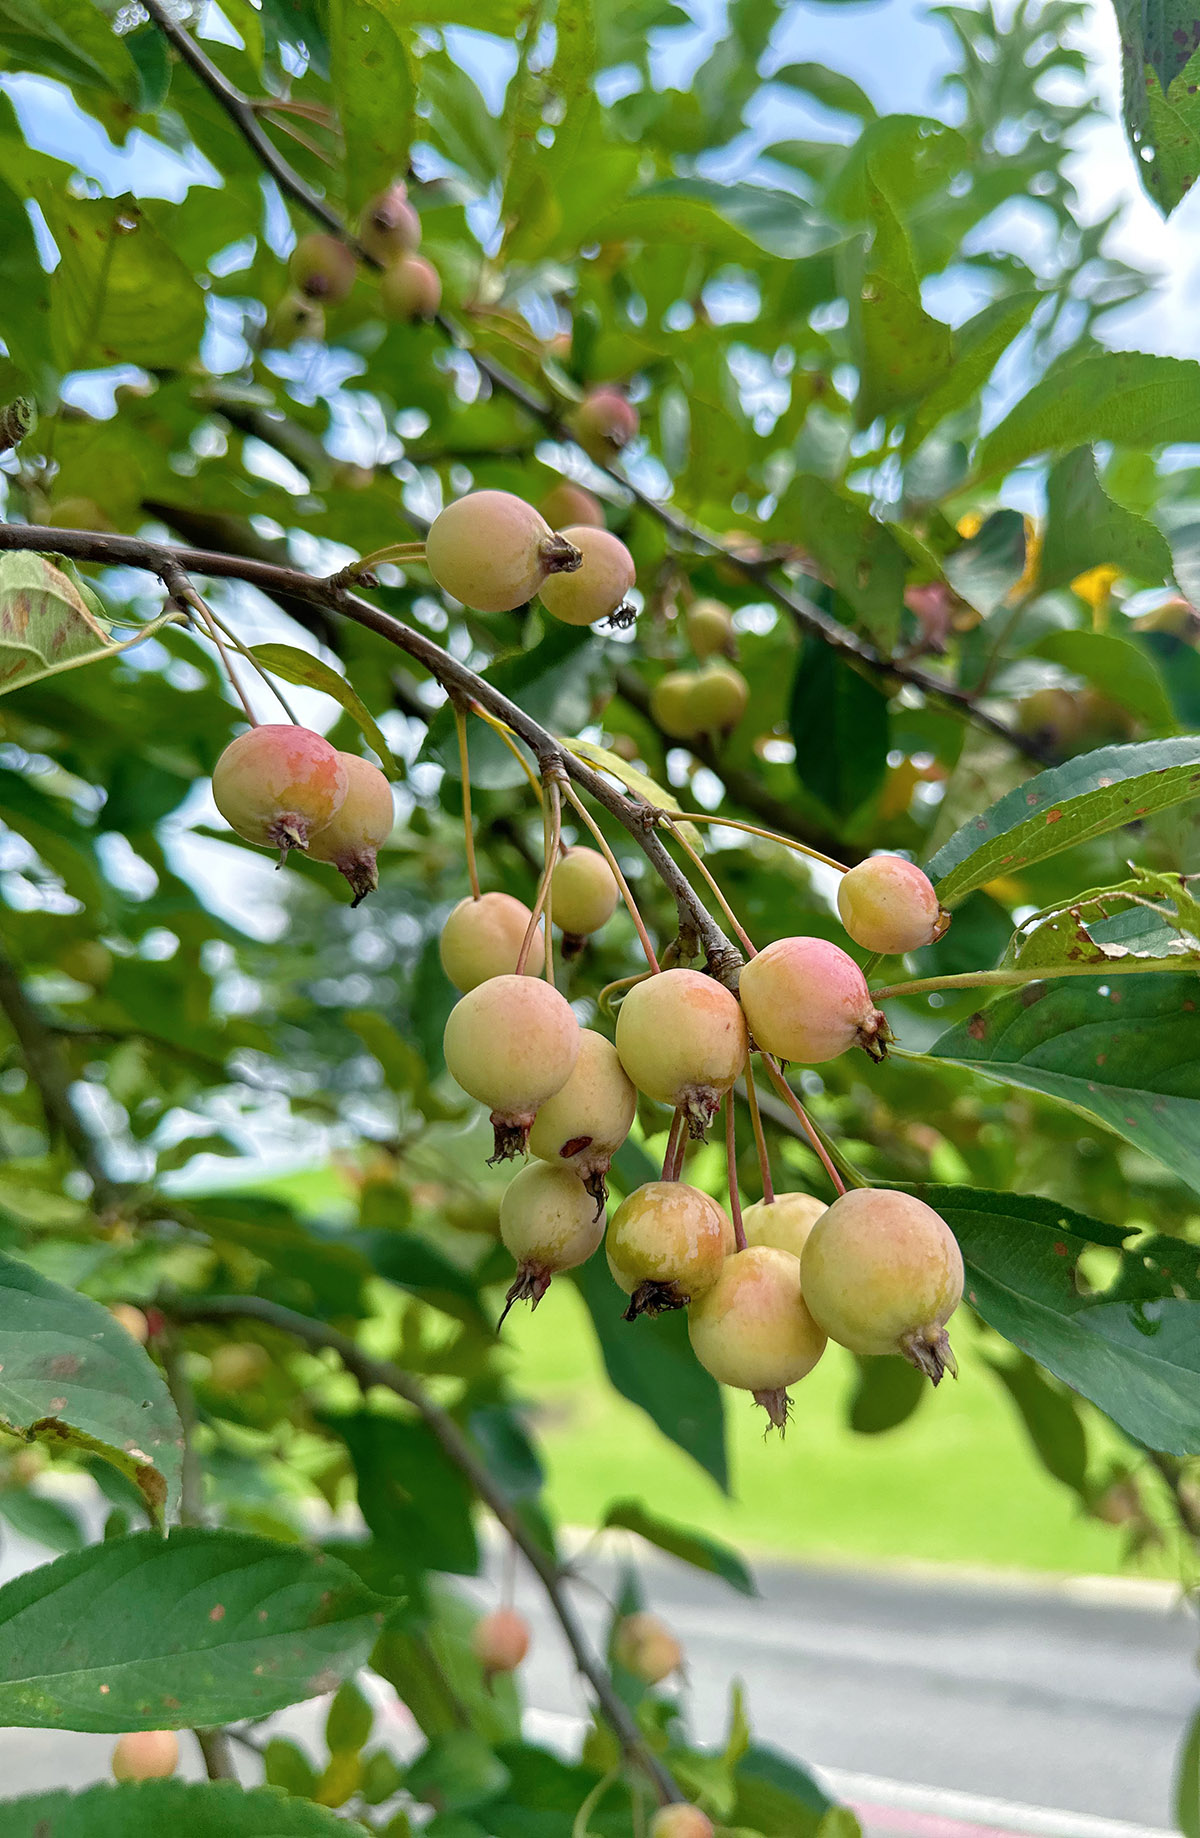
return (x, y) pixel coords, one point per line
(941, 1708)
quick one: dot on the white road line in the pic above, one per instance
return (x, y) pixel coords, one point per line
(978, 1809)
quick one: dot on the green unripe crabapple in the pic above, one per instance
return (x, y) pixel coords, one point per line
(566, 504)
(671, 705)
(493, 551)
(582, 1126)
(482, 938)
(500, 1640)
(806, 999)
(882, 1273)
(583, 892)
(680, 1820)
(512, 1042)
(293, 318)
(752, 1330)
(597, 588)
(682, 1040)
(238, 1365)
(645, 1646)
(410, 289)
(323, 268)
(718, 698)
(389, 226)
(666, 1245)
(279, 784)
(709, 626)
(784, 1222)
(550, 1222)
(888, 904)
(359, 830)
(145, 1755)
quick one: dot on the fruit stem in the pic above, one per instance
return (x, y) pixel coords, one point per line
(507, 736)
(180, 588)
(464, 761)
(1012, 979)
(760, 1140)
(754, 829)
(728, 911)
(676, 1143)
(735, 1198)
(789, 1097)
(394, 552)
(578, 805)
(552, 829)
(244, 651)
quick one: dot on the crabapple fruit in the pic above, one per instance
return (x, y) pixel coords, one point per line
(493, 551)
(752, 1330)
(389, 226)
(323, 267)
(238, 1365)
(805, 999)
(671, 704)
(500, 1640)
(511, 1042)
(604, 422)
(279, 784)
(888, 904)
(582, 1126)
(666, 1245)
(709, 626)
(87, 961)
(1053, 717)
(78, 514)
(550, 1222)
(410, 288)
(645, 1646)
(597, 588)
(361, 827)
(682, 1039)
(132, 1320)
(566, 504)
(717, 699)
(293, 318)
(482, 938)
(882, 1273)
(145, 1755)
(583, 892)
(783, 1222)
(680, 1820)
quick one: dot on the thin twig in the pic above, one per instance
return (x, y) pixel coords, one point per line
(735, 1198)
(760, 1139)
(464, 762)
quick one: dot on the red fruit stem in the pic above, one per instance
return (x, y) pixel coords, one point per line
(789, 1097)
(735, 1198)
(728, 911)
(676, 1143)
(552, 826)
(760, 1140)
(578, 805)
(464, 760)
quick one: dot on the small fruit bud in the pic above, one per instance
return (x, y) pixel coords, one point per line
(132, 1320)
(389, 226)
(597, 588)
(360, 828)
(566, 504)
(493, 551)
(752, 1330)
(604, 422)
(709, 626)
(278, 785)
(482, 938)
(410, 289)
(323, 268)
(500, 1640)
(550, 1222)
(582, 1126)
(681, 1821)
(292, 319)
(645, 1646)
(784, 1222)
(666, 1245)
(887, 904)
(512, 1043)
(882, 1273)
(805, 999)
(583, 892)
(238, 1365)
(682, 1040)
(145, 1755)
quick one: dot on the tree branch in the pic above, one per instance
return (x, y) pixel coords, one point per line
(371, 1372)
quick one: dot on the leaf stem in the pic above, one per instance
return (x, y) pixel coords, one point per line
(1016, 979)
(464, 761)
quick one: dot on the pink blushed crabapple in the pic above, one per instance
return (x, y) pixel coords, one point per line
(582, 1126)
(511, 1043)
(279, 784)
(645, 1646)
(680, 1820)
(323, 268)
(410, 289)
(583, 892)
(784, 1222)
(666, 1245)
(597, 588)
(493, 551)
(351, 842)
(482, 938)
(145, 1755)
(887, 904)
(882, 1273)
(752, 1330)
(500, 1641)
(389, 226)
(806, 999)
(132, 1320)
(550, 1222)
(682, 1040)
(604, 423)
(566, 504)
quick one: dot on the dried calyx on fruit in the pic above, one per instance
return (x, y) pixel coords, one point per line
(806, 999)
(682, 1040)
(493, 551)
(482, 938)
(882, 1273)
(278, 785)
(597, 588)
(512, 1042)
(500, 1640)
(550, 1222)
(888, 904)
(352, 840)
(582, 1126)
(323, 268)
(389, 226)
(604, 423)
(583, 892)
(752, 1330)
(666, 1245)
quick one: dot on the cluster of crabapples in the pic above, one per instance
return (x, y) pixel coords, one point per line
(878, 1270)
(323, 270)
(710, 701)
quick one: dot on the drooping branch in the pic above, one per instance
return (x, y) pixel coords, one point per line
(371, 1372)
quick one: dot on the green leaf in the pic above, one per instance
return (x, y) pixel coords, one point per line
(978, 348)
(148, 1809)
(200, 1628)
(1125, 1051)
(831, 88)
(296, 666)
(1051, 1418)
(45, 622)
(1161, 69)
(1152, 915)
(1088, 796)
(71, 1377)
(1085, 527)
(44, 1520)
(374, 93)
(1130, 397)
(438, 1677)
(986, 568)
(853, 550)
(776, 1796)
(120, 294)
(70, 39)
(638, 782)
(839, 723)
(457, 1772)
(348, 1725)
(695, 1548)
(1116, 666)
(417, 1504)
(903, 352)
(887, 1394)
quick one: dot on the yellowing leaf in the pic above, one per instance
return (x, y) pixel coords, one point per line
(636, 781)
